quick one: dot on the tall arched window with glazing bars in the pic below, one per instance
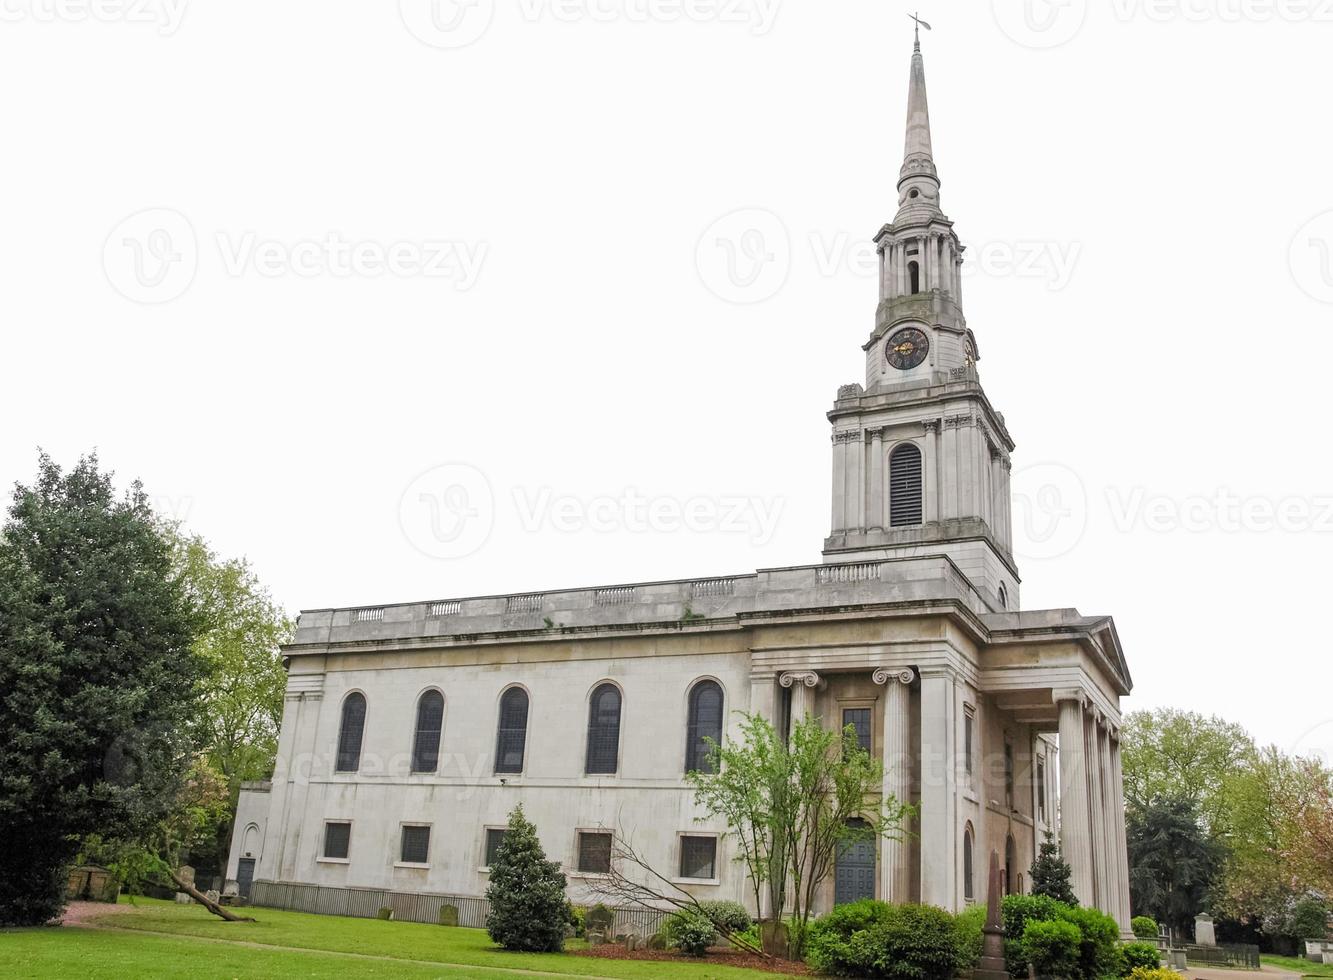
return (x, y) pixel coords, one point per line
(511, 738)
(704, 728)
(426, 738)
(603, 731)
(350, 733)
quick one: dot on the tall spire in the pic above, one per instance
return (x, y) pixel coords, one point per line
(918, 181)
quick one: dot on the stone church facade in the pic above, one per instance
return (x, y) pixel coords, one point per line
(410, 731)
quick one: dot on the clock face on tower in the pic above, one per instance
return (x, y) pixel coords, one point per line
(907, 348)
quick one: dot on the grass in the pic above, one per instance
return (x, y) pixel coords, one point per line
(238, 949)
(1304, 967)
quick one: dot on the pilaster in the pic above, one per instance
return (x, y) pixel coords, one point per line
(895, 855)
(939, 784)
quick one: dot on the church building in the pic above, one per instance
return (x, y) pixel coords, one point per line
(410, 731)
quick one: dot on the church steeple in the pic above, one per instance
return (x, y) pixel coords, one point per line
(920, 457)
(918, 181)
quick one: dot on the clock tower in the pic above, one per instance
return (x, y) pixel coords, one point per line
(920, 458)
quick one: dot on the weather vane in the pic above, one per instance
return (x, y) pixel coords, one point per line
(919, 24)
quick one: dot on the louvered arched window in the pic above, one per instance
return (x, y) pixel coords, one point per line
(969, 885)
(350, 732)
(512, 737)
(426, 740)
(603, 730)
(705, 724)
(905, 486)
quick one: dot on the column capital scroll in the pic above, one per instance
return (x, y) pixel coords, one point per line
(807, 677)
(885, 675)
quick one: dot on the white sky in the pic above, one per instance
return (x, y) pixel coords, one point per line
(1153, 314)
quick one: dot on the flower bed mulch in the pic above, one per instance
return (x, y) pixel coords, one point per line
(716, 957)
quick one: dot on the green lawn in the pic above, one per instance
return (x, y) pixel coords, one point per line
(1303, 967)
(72, 951)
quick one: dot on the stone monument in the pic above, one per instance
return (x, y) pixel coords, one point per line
(1204, 935)
(991, 966)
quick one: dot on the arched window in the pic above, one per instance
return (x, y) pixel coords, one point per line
(969, 886)
(512, 737)
(603, 730)
(705, 723)
(426, 742)
(914, 274)
(1004, 597)
(350, 732)
(905, 486)
(1009, 865)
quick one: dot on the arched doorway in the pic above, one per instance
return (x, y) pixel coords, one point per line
(854, 874)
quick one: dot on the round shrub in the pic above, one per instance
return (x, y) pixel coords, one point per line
(1099, 948)
(1017, 912)
(1052, 948)
(916, 942)
(828, 938)
(1144, 926)
(689, 931)
(1136, 955)
(730, 916)
(970, 923)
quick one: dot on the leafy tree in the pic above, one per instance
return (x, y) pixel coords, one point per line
(1173, 863)
(1050, 874)
(240, 631)
(529, 910)
(791, 804)
(1170, 753)
(98, 680)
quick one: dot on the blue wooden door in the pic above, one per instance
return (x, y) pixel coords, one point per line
(854, 875)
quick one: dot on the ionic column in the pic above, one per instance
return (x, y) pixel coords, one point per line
(900, 260)
(803, 684)
(940, 844)
(875, 505)
(895, 870)
(1098, 804)
(1075, 807)
(885, 271)
(1110, 845)
(929, 264)
(1120, 859)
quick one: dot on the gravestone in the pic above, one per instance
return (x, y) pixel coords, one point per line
(213, 895)
(448, 915)
(1204, 935)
